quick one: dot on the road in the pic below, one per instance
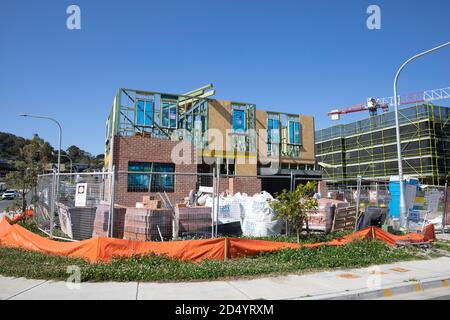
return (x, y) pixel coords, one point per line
(4, 204)
(7, 203)
(433, 294)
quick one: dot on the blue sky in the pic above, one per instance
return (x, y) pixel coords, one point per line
(294, 56)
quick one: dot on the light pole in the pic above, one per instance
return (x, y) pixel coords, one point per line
(55, 183)
(403, 213)
(60, 133)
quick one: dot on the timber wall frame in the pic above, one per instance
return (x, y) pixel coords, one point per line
(124, 121)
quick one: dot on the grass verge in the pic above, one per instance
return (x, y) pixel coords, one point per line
(21, 263)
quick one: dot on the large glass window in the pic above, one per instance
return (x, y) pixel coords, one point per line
(163, 182)
(140, 182)
(169, 114)
(273, 134)
(239, 120)
(144, 112)
(294, 132)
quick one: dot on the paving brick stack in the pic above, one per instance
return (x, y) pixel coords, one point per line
(151, 203)
(102, 218)
(194, 221)
(142, 224)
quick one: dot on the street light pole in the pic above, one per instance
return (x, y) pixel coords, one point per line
(60, 133)
(403, 213)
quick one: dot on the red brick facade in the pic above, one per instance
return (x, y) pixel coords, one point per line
(147, 149)
(249, 185)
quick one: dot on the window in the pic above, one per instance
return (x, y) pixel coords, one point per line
(239, 120)
(273, 134)
(140, 182)
(163, 182)
(294, 132)
(169, 114)
(144, 112)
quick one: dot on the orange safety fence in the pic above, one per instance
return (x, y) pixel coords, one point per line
(20, 216)
(104, 249)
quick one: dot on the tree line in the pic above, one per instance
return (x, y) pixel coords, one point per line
(30, 157)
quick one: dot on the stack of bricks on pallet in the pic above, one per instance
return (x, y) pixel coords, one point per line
(194, 220)
(148, 202)
(142, 224)
(102, 220)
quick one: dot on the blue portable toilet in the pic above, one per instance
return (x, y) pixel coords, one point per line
(411, 187)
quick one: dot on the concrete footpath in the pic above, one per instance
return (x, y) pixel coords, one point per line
(383, 281)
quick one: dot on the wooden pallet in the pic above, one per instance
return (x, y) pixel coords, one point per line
(344, 219)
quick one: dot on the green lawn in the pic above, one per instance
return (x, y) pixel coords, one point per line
(21, 263)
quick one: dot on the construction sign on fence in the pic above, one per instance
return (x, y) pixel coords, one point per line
(80, 195)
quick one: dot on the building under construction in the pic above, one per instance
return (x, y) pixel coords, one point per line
(367, 148)
(243, 142)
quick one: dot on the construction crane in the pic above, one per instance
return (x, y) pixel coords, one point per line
(373, 104)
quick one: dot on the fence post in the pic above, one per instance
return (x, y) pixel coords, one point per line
(112, 200)
(226, 249)
(218, 197)
(214, 201)
(291, 189)
(52, 203)
(444, 214)
(292, 182)
(358, 193)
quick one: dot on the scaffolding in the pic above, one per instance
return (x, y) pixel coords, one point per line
(368, 147)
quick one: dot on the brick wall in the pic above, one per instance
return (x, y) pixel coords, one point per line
(249, 185)
(147, 149)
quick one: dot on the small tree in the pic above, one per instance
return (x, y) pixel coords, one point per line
(32, 158)
(24, 179)
(293, 206)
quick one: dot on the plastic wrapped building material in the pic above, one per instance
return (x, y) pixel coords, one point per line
(259, 218)
(229, 209)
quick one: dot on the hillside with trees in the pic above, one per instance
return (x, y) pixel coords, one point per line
(14, 148)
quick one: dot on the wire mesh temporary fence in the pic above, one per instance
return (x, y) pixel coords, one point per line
(44, 206)
(446, 216)
(67, 203)
(428, 207)
(426, 204)
(155, 205)
(164, 205)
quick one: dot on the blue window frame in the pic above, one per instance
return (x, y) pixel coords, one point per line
(140, 182)
(144, 112)
(273, 135)
(294, 132)
(163, 182)
(238, 121)
(169, 114)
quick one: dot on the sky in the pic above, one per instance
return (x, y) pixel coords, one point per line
(305, 57)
